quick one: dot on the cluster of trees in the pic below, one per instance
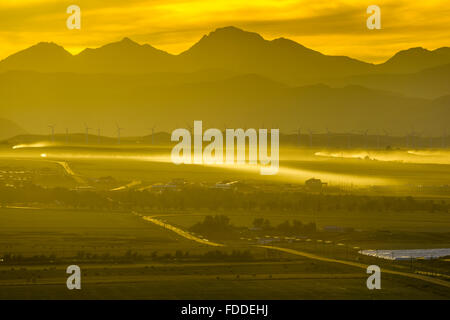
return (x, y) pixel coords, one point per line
(33, 194)
(219, 227)
(285, 228)
(216, 255)
(18, 258)
(216, 227)
(130, 257)
(216, 200)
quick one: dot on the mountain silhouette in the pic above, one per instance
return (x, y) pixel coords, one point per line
(43, 57)
(415, 59)
(227, 49)
(281, 59)
(429, 83)
(229, 76)
(137, 102)
(125, 56)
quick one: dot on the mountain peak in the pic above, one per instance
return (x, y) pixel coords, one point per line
(413, 51)
(44, 44)
(228, 36)
(124, 47)
(124, 43)
(46, 48)
(442, 50)
(226, 39)
(46, 56)
(128, 41)
(234, 33)
(416, 59)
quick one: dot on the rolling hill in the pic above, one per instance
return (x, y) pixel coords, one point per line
(137, 102)
(414, 60)
(9, 129)
(429, 83)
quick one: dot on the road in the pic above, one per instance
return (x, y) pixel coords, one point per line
(69, 171)
(128, 186)
(360, 265)
(300, 253)
(181, 232)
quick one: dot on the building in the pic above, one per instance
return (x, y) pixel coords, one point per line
(314, 184)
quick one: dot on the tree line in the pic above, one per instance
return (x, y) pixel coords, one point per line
(215, 200)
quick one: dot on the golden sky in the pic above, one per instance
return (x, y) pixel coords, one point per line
(335, 27)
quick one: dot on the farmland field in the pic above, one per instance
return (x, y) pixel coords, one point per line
(396, 169)
(64, 233)
(87, 207)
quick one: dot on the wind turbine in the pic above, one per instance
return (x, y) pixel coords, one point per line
(67, 135)
(86, 128)
(419, 139)
(298, 132)
(98, 135)
(119, 129)
(413, 136)
(310, 138)
(365, 138)
(52, 128)
(407, 140)
(153, 133)
(386, 133)
(349, 140)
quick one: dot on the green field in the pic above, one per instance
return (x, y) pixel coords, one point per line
(393, 221)
(64, 233)
(312, 286)
(122, 256)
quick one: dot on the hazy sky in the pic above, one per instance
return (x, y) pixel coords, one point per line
(333, 27)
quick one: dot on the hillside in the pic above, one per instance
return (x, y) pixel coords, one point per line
(139, 102)
(429, 83)
(9, 129)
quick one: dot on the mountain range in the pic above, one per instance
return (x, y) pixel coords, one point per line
(229, 49)
(231, 76)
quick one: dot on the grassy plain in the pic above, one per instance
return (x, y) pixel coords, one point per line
(65, 233)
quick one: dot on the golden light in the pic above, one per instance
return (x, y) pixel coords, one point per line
(336, 28)
(30, 145)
